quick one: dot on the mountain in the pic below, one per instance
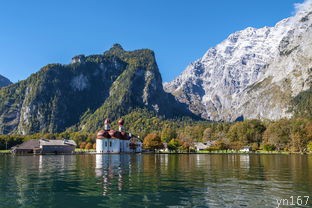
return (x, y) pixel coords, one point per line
(81, 94)
(254, 73)
(4, 81)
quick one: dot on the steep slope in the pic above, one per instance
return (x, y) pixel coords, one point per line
(4, 81)
(82, 93)
(254, 73)
(139, 86)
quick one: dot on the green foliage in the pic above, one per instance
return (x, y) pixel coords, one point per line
(174, 145)
(299, 135)
(278, 134)
(302, 104)
(309, 146)
(268, 147)
(293, 135)
(246, 132)
(167, 134)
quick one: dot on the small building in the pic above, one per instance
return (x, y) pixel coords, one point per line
(203, 145)
(165, 147)
(27, 147)
(57, 146)
(45, 146)
(245, 149)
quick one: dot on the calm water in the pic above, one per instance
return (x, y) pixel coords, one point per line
(153, 180)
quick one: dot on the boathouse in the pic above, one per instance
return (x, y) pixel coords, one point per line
(45, 146)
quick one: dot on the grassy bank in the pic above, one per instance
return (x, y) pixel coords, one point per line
(236, 152)
(4, 151)
(78, 150)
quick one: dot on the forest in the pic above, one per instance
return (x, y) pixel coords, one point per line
(288, 135)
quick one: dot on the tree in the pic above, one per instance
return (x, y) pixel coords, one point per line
(89, 146)
(207, 134)
(247, 132)
(82, 145)
(174, 145)
(278, 134)
(152, 142)
(309, 146)
(299, 135)
(167, 134)
(220, 145)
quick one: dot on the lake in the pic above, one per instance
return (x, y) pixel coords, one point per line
(161, 180)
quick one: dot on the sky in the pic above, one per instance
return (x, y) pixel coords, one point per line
(34, 33)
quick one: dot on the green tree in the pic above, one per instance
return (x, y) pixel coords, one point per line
(309, 146)
(174, 145)
(168, 134)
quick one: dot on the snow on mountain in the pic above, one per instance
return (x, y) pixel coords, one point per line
(253, 73)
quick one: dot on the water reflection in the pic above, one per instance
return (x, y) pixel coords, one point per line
(153, 180)
(109, 167)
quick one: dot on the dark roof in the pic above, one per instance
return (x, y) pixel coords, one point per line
(31, 144)
(57, 142)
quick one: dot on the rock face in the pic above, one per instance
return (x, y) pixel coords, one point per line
(4, 81)
(254, 73)
(81, 94)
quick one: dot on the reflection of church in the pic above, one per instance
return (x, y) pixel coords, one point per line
(114, 169)
(111, 141)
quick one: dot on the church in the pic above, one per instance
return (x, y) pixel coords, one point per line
(111, 141)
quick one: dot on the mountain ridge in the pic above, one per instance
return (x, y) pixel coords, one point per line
(221, 85)
(4, 81)
(81, 94)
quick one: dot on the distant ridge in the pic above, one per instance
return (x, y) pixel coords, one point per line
(4, 81)
(81, 94)
(254, 73)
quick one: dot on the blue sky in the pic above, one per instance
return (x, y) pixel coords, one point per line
(34, 33)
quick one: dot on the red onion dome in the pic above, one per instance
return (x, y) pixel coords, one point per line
(107, 121)
(106, 135)
(117, 135)
(100, 134)
(124, 135)
(121, 122)
(112, 133)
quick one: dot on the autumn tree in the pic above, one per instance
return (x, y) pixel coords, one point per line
(89, 146)
(278, 134)
(82, 145)
(152, 142)
(207, 134)
(299, 135)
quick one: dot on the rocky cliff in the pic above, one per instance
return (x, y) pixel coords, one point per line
(81, 94)
(254, 73)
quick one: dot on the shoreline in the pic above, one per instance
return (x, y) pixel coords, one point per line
(7, 152)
